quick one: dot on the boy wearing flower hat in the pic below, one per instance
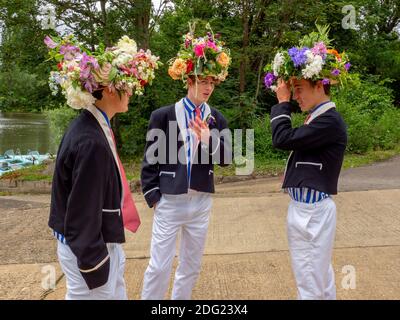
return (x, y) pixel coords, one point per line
(91, 202)
(313, 167)
(178, 187)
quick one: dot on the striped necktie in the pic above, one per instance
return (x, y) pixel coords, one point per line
(197, 112)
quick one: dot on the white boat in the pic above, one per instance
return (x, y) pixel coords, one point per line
(11, 161)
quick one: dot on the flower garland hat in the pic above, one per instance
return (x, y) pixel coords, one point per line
(80, 72)
(203, 56)
(314, 59)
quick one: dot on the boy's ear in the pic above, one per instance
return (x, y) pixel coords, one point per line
(111, 92)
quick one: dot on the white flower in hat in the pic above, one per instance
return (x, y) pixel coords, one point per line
(78, 99)
(279, 60)
(127, 45)
(313, 67)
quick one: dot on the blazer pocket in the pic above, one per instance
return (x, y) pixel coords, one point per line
(112, 224)
(112, 211)
(315, 164)
(167, 173)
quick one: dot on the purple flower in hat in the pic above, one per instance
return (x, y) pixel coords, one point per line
(49, 42)
(69, 51)
(86, 65)
(88, 60)
(335, 72)
(347, 66)
(326, 81)
(319, 49)
(269, 79)
(90, 85)
(298, 56)
(84, 73)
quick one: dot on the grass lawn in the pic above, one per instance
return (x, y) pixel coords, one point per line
(32, 173)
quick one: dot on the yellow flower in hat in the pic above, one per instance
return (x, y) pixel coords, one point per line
(177, 69)
(172, 74)
(223, 59)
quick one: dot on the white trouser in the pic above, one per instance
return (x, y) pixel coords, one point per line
(77, 289)
(311, 235)
(188, 213)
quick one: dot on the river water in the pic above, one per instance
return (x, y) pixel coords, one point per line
(26, 132)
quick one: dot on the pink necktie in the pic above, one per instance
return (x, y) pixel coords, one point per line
(197, 112)
(130, 214)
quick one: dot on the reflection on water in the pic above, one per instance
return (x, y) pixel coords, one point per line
(25, 131)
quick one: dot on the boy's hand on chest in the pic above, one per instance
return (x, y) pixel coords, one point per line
(200, 129)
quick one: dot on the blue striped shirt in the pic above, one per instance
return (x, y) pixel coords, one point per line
(190, 115)
(59, 237)
(306, 195)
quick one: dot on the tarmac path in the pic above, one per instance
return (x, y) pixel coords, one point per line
(246, 255)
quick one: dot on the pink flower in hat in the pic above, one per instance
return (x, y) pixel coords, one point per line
(50, 43)
(199, 50)
(212, 45)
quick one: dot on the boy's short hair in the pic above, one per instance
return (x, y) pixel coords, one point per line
(98, 94)
(327, 87)
(193, 78)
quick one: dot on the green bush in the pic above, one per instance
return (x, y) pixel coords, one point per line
(359, 131)
(367, 97)
(263, 148)
(59, 120)
(387, 129)
(367, 108)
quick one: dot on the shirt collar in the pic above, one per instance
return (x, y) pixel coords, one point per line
(105, 116)
(191, 106)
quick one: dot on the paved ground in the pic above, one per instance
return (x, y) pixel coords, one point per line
(379, 176)
(246, 255)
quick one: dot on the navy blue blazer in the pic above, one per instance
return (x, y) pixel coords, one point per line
(86, 198)
(318, 148)
(170, 176)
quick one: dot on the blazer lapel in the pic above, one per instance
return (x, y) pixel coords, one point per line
(107, 132)
(207, 110)
(320, 111)
(181, 120)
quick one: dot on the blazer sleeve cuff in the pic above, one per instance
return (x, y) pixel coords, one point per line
(281, 109)
(152, 196)
(98, 276)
